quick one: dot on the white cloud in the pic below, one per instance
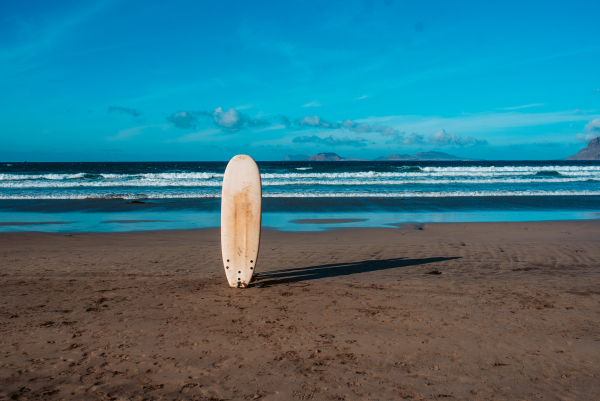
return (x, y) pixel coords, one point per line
(593, 126)
(135, 131)
(523, 107)
(314, 103)
(231, 119)
(361, 97)
(271, 128)
(184, 119)
(196, 136)
(442, 138)
(315, 121)
(476, 123)
(227, 118)
(414, 139)
(585, 138)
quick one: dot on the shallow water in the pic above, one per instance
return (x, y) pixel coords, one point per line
(151, 196)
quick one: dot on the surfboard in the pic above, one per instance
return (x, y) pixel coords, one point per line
(241, 216)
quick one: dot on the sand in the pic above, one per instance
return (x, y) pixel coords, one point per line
(453, 311)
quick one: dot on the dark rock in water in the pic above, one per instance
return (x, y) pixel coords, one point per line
(136, 202)
(590, 152)
(292, 158)
(434, 272)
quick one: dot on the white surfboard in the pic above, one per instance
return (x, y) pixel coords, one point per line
(241, 215)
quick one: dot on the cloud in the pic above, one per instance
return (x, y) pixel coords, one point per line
(316, 121)
(228, 119)
(585, 138)
(314, 103)
(231, 120)
(183, 120)
(285, 121)
(593, 126)
(414, 139)
(526, 106)
(131, 132)
(442, 138)
(124, 110)
(366, 128)
(244, 106)
(331, 141)
(361, 97)
(439, 138)
(196, 136)
(271, 128)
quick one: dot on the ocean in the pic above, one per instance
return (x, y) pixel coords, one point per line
(83, 196)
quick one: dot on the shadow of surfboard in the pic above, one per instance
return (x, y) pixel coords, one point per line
(300, 274)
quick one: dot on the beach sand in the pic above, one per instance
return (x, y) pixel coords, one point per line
(453, 311)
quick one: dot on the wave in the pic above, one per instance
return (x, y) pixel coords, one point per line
(548, 174)
(298, 182)
(108, 176)
(403, 171)
(216, 179)
(410, 169)
(14, 177)
(312, 194)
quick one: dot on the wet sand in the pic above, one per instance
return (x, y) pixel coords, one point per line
(335, 315)
(326, 221)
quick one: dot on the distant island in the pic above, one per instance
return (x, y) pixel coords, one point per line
(590, 152)
(332, 157)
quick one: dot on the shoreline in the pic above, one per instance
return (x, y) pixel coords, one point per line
(460, 310)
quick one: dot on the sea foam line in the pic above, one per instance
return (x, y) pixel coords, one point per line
(304, 195)
(299, 182)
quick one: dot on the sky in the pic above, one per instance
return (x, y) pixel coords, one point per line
(199, 80)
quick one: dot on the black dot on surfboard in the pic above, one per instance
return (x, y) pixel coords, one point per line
(251, 261)
(239, 272)
(228, 260)
(239, 279)
(250, 267)
(227, 267)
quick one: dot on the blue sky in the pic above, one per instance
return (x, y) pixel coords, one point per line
(198, 80)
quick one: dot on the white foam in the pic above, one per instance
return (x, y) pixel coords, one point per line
(312, 194)
(272, 182)
(11, 177)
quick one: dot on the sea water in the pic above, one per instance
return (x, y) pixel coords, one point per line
(187, 194)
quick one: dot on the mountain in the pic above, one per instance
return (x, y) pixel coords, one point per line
(395, 156)
(321, 157)
(295, 158)
(332, 157)
(422, 156)
(591, 152)
(325, 157)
